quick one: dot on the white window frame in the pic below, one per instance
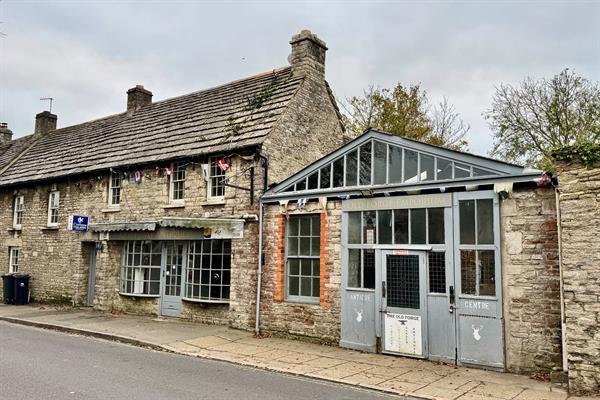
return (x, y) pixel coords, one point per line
(18, 207)
(212, 167)
(177, 176)
(218, 254)
(114, 188)
(314, 298)
(53, 207)
(13, 259)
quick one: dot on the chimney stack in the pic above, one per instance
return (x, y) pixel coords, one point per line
(308, 54)
(138, 97)
(45, 122)
(5, 134)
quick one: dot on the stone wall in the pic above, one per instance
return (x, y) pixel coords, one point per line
(580, 242)
(531, 280)
(321, 321)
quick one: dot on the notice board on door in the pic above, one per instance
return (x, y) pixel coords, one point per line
(403, 334)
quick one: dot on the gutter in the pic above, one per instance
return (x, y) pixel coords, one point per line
(260, 243)
(563, 324)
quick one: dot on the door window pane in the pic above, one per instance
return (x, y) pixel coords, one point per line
(403, 285)
(354, 269)
(395, 164)
(466, 210)
(401, 226)
(485, 221)
(379, 163)
(468, 272)
(369, 269)
(427, 172)
(444, 169)
(437, 272)
(365, 164)
(369, 232)
(351, 168)
(384, 220)
(435, 223)
(411, 162)
(338, 172)
(487, 264)
(417, 226)
(325, 181)
(354, 227)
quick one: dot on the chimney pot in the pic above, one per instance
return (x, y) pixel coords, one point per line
(138, 97)
(308, 54)
(45, 122)
(5, 134)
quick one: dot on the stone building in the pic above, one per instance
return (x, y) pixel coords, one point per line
(171, 191)
(396, 246)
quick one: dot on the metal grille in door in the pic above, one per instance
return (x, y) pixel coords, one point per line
(403, 281)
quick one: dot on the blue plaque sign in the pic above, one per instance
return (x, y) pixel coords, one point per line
(79, 223)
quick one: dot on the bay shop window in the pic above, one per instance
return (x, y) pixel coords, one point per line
(205, 269)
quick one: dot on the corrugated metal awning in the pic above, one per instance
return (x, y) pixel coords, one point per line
(123, 226)
(216, 228)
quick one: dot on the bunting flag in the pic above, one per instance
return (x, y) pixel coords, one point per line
(222, 163)
(137, 176)
(169, 170)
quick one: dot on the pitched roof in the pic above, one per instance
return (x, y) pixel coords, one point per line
(232, 116)
(13, 149)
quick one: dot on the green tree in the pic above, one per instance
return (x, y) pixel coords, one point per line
(529, 121)
(405, 111)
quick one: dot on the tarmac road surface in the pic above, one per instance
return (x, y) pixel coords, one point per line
(45, 365)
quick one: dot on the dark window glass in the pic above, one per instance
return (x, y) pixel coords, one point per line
(485, 221)
(351, 168)
(379, 162)
(468, 272)
(437, 272)
(303, 268)
(401, 226)
(338, 172)
(466, 210)
(435, 222)
(418, 226)
(313, 180)
(411, 162)
(481, 172)
(354, 269)
(444, 169)
(395, 164)
(384, 222)
(369, 269)
(427, 169)
(369, 231)
(403, 286)
(461, 171)
(325, 182)
(301, 185)
(354, 224)
(365, 164)
(487, 263)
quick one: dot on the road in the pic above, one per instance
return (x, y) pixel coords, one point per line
(41, 364)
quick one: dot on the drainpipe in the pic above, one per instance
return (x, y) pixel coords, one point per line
(260, 242)
(563, 324)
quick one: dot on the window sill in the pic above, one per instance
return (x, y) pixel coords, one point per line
(214, 202)
(355, 289)
(175, 205)
(308, 302)
(111, 209)
(205, 301)
(14, 229)
(139, 295)
(50, 228)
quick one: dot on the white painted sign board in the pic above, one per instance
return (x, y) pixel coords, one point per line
(403, 334)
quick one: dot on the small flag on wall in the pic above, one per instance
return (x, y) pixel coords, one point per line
(222, 163)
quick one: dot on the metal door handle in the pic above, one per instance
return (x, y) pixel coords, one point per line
(383, 289)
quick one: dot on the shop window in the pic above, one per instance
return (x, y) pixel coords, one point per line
(395, 164)
(437, 272)
(435, 226)
(351, 168)
(384, 226)
(303, 258)
(216, 180)
(53, 205)
(418, 226)
(209, 270)
(140, 269)
(401, 226)
(325, 182)
(411, 164)
(18, 207)
(365, 164)
(379, 163)
(361, 269)
(354, 227)
(114, 189)
(476, 221)
(369, 231)
(13, 259)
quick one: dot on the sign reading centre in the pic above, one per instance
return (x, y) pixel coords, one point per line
(79, 223)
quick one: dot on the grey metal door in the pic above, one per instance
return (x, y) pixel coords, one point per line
(91, 275)
(404, 313)
(173, 273)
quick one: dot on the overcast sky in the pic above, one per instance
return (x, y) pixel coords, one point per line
(87, 54)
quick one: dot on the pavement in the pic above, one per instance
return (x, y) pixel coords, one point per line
(396, 375)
